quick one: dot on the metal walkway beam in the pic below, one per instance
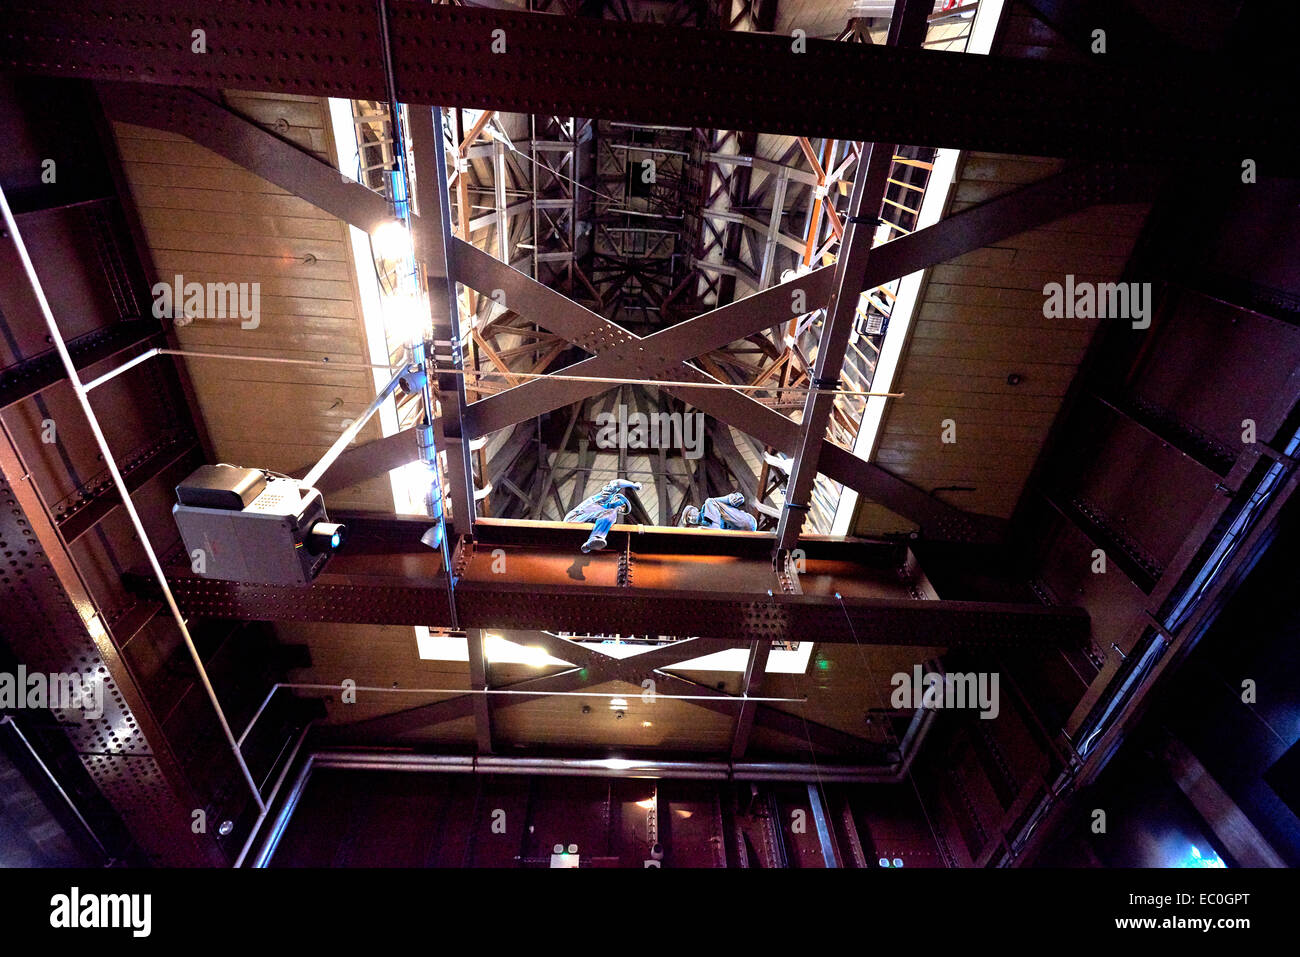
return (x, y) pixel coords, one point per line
(531, 576)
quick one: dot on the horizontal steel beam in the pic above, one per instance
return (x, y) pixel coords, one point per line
(168, 461)
(1188, 109)
(519, 582)
(119, 342)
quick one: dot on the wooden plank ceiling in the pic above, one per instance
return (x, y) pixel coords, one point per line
(210, 220)
(979, 320)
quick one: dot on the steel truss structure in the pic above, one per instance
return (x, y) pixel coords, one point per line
(854, 108)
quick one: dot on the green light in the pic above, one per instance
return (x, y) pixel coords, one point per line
(823, 664)
(583, 674)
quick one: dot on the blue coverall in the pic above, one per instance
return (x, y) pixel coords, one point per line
(726, 512)
(603, 508)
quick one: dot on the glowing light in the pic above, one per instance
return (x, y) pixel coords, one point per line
(618, 764)
(617, 704)
(406, 317)
(648, 803)
(497, 649)
(1195, 858)
(391, 241)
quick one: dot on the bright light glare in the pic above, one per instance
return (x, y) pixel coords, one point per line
(391, 241)
(499, 650)
(406, 317)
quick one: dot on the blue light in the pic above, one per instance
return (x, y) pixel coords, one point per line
(1195, 858)
(334, 540)
(898, 862)
(884, 862)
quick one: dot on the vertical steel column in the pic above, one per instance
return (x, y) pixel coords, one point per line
(499, 195)
(432, 234)
(755, 669)
(850, 267)
(478, 682)
(906, 28)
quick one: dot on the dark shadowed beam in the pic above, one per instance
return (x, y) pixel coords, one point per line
(478, 681)
(755, 669)
(652, 73)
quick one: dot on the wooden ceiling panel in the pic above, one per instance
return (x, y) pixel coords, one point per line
(209, 220)
(978, 322)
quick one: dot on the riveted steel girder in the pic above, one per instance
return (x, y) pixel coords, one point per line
(645, 72)
(531, 576)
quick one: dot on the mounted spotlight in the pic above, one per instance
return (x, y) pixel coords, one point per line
(433, 536)
(325, 537)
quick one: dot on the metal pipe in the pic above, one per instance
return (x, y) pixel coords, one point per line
(114, 373)
(604, 767)
(53, 780)
(282, 819)
(350, 433)
(265, 701)
(74, 379)
(270, 801)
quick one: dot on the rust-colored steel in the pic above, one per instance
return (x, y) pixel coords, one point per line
(688, 583)
(52, 622)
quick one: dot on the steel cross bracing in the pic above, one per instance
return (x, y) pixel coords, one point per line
(664, 354)
(651, 73)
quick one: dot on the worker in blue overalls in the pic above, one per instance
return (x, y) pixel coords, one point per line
(603, 508)
(725, 512)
